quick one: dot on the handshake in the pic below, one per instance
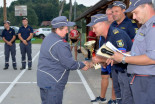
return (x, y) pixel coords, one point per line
(97, 62)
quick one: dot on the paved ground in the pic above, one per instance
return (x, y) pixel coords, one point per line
(19, 87)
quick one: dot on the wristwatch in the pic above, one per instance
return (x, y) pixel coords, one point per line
(123, 60)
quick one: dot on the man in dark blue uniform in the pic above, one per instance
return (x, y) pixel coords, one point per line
(141, 63)
(55, 62)
(9, 37)
(129, 26)
(25, 34)
(120, 40)
(121, 21)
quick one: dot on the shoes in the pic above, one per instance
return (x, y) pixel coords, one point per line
(22, 68)
(111, 101)
(15, 68)
(99, 99)
(5, 68)
(29, 68)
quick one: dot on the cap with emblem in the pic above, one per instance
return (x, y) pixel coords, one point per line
(120, 4)
(7, 22)
(135, 3)
(97, 18)
(61, 21)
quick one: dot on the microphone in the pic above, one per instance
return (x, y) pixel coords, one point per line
(103, 50)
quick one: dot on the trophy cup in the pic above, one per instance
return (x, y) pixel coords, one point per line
(90, 46)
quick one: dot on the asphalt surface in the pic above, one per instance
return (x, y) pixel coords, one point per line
(20, 87)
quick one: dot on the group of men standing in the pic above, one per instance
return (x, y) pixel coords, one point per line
(25, 34)
(133, 76)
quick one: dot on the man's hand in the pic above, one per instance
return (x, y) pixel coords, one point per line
(25, 42)
(117, 57)
(98, 59)
(87, 66)
(9, 43)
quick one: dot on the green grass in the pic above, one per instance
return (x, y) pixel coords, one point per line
(36, 41)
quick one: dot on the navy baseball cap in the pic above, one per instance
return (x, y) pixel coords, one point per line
(120, 4)
(61, 21)
(97, 18)
(135, 3)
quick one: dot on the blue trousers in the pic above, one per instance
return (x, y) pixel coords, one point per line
(124, 82)
(52, 94)
(143, 89)
(10, 49)
(26, 49)
(116, 84)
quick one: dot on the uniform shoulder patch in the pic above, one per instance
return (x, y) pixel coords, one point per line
(115, 31)
(133, 21)
(120, 43)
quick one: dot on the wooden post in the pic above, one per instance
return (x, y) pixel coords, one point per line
(4, 11)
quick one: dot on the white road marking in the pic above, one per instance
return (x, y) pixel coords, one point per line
(3, 52)
(36, 83)
(88, 89)
(5, 93)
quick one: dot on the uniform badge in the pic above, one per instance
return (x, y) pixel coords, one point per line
(136, 29)
(29, 29)
(133, 21)
(10, 32)
(115, 31)
(130, 3)
(141, 34)
(120, 43)
(122, 27)
(153, 25)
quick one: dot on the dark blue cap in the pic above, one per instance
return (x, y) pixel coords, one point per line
(97, 18)
(61, 21)
(135, 3)
(120, 4)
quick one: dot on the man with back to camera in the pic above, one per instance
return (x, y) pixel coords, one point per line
(55, 62)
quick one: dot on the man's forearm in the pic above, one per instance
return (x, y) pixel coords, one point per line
(29, 38)
(19, 36)
(5, 40)
(14, 37)
(139, 60)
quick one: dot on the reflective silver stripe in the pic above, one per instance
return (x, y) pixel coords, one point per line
(99, 18)
(136, 2)
(23, 61)
(52, 47)
(14, 62)
(7, 62)
(79, 66)
(29, 61)
(118, 98)
(59, 23)
(52, 75)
